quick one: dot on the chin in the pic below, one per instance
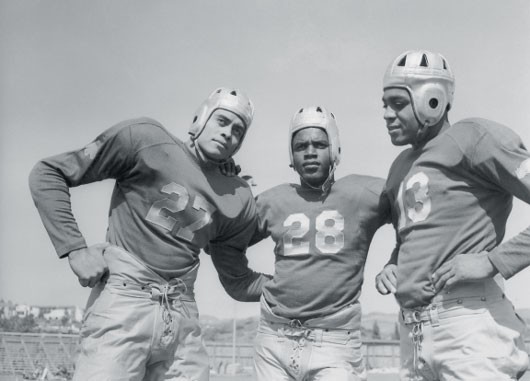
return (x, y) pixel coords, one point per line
(314, 181)
(216, 154)
(399, 142)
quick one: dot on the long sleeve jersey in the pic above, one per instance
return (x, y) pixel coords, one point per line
(321, 243)
(165, 206)
(453, 196)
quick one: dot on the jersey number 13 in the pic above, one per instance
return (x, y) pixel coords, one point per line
(420, 207)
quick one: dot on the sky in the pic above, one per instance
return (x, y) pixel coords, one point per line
(70, 69)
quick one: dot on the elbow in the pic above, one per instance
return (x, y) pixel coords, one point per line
(239, 294)
(35, 178)
(247, 289)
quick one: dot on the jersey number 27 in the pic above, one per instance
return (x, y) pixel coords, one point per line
(202, 212)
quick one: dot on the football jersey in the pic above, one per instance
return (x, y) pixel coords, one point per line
(321, 243)
(165, 206)
(453, 196)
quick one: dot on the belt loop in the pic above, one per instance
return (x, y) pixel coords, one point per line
(433, 314)
(319, 333)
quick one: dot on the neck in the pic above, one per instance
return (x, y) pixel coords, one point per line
(322, 187)
(196, 152)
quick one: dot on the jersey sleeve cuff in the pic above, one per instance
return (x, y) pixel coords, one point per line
(63, 251)
(497, 261)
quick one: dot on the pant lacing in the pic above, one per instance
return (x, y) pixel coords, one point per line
(299, 334)
(417, 338)
(164, 293)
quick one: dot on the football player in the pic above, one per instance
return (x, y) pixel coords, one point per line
(169, 202)
(310, 325)
(451, 193)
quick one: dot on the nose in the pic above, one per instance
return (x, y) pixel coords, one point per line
(389, 113)
(310, 150)
(226, 131)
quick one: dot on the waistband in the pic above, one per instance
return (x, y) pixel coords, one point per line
(467, 294)
(349, 318)
(126, 272)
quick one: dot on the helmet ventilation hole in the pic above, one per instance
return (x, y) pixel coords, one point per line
(194, 119)
(424, 62)
(319, 109)
(444, 64)
(233, 92)
(332, 115)
(402, 61)
(301, 111)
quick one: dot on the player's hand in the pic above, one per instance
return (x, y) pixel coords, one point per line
(89, 265)
(386, 280)
(463, 267)
(230, 168)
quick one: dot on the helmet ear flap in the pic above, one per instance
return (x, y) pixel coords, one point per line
(199, 121)
(431, 104)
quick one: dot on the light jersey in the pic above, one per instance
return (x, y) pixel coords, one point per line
(164, 206)
(453, 196)
(321, 243)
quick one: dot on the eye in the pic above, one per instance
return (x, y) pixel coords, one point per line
(222, 121)
(238, 131)
(299, 147)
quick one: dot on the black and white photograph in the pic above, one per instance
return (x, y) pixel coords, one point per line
(264, 190)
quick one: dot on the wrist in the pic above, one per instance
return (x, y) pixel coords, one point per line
(74, 253)
(492, 270)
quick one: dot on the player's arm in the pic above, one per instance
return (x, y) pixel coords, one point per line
(507, 164)
(386, 280)
(238, 280)
(229, 258)
(50, 181)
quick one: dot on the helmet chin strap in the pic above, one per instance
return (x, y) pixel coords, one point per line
(204, 158)
(420, 133)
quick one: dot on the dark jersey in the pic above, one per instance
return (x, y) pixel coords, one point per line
(165, 207)
(321, 243)
(453, 196)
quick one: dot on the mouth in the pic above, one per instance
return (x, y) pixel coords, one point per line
(221, 144)
(311, 165)
(393, 129)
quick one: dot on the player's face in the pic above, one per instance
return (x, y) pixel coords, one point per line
(221, 135)
(399, 115)
(311, 155)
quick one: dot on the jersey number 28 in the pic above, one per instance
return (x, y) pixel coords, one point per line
(328, 239)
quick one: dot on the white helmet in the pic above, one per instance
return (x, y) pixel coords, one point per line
(316, 116)
(229, 99)
(429, 81)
